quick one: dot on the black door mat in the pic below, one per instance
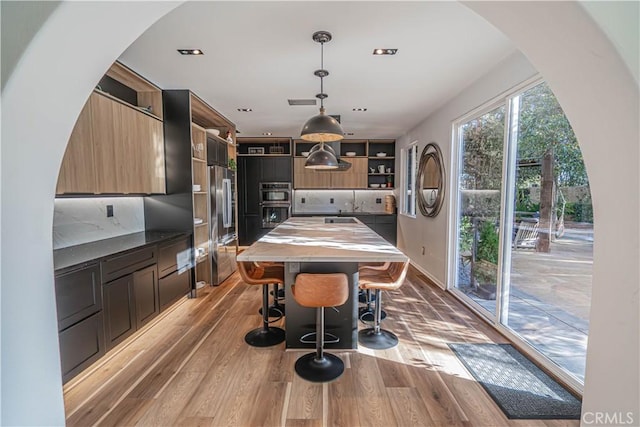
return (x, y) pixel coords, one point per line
(516, 384)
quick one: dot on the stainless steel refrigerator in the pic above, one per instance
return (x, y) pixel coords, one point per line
(223, 228)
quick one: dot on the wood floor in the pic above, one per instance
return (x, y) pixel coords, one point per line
(192, 367)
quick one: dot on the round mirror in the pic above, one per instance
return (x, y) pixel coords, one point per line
(430, 180)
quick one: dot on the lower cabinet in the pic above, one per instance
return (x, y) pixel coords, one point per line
(119, 310)
(145, 290)
(81, 345)
(384, 225)
(103, 302)
(251, 229)
(80, 326)
(173, 287)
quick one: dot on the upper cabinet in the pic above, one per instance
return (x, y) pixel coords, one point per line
(116, 147)
(372, 163)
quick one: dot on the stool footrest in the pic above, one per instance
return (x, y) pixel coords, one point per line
(332, 338)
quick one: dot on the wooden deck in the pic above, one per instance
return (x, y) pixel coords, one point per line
(192, 367)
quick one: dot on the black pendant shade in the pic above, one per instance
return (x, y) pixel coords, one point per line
(321, 157)
(322, 128)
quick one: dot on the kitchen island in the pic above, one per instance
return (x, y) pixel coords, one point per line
(322, 245)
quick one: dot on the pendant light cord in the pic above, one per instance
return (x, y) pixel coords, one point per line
(321, 77)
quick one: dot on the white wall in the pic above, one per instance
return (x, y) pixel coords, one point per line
(437, 128)
(592, 83)
(41, 101)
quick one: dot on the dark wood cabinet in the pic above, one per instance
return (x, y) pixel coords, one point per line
(173, 287)
(384, 225)
(80, 323)
(168, 255)
(252, 170)
(119, 310)
(81, 345)
(217, 152)
(249, 178)
(78, 294)
(275, 169)
(102, 301)
(172, 284)
(145, 286)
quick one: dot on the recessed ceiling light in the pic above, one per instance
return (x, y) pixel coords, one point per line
(191, 52)
(385, 51)
(245, 110)
(267, 133)
(359, 109)
(349, 133)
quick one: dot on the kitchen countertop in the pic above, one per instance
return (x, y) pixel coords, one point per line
(310, 239)
(340, 213)
(94, 251)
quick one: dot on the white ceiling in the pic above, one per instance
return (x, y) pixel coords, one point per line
(259, 54)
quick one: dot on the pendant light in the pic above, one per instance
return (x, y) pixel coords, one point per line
(321, 128)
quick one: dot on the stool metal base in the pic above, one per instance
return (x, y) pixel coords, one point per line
(368, 315)
(377, 341)
(275, 310)
(328, 368)
(265, 337)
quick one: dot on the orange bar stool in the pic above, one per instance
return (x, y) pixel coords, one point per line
(276, 309)
(376, 279)
(320, 291)
(256, 274)
(366, 314)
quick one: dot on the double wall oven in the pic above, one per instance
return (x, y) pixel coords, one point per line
(275, 203)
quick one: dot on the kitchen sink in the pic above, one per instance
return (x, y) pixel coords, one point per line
(339, 220)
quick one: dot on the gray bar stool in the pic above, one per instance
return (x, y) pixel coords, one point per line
(320, 291)
(376, 279)
(256, 274)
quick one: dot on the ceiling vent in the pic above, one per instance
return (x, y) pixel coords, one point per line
(302, 102)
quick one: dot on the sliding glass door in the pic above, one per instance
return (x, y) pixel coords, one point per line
(523, 225)
(481, 158)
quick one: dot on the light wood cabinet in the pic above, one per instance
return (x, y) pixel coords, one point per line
(309, 178)
(77, 173)
(354, 177)
(113, 149)
(364, 171)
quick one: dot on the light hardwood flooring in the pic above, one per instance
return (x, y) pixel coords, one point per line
(192, 367)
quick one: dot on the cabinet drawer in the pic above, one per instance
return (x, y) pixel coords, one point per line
(167, 253)
(78, 295)
(121, 265)
(173, 287)
(81, 345)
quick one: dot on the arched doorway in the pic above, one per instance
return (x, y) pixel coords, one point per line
(44, 95)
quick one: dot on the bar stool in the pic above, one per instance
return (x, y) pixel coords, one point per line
(320, 291)
(366, 314)
(276, 309)
(376, 279)
(255, 274)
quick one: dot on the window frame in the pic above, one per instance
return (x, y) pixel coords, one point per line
(408, 195)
